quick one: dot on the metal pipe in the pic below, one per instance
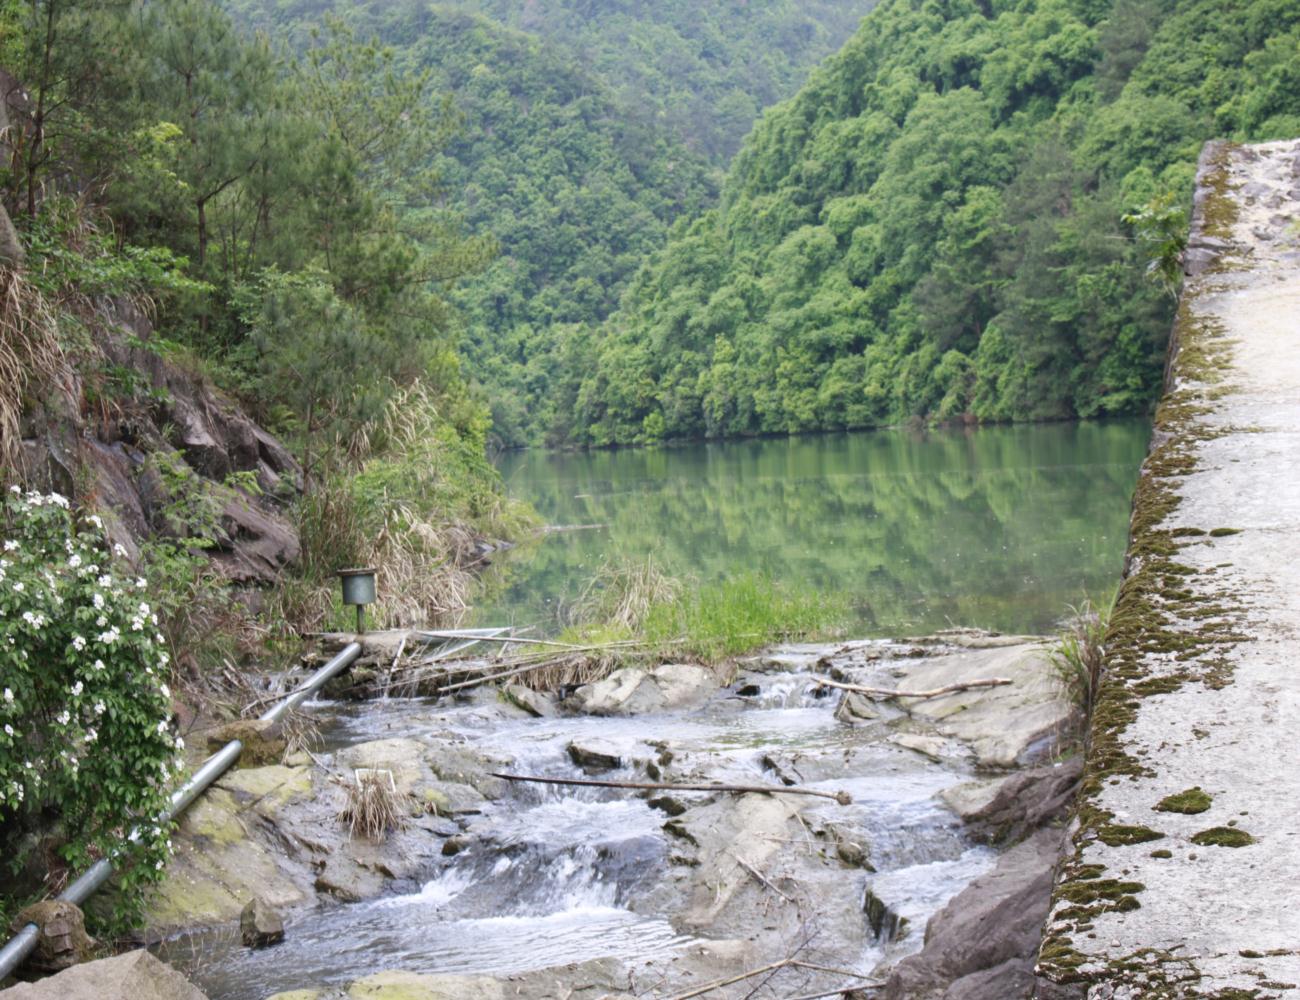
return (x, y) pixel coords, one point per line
(22, 944)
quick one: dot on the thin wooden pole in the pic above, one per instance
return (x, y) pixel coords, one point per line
(843, 798)
(987, 682)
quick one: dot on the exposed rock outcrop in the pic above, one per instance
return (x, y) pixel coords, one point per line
(172, 437)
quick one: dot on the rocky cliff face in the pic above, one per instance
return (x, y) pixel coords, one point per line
(173, 439)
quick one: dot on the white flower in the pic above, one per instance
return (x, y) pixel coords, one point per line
(9, 730)
(163, 659)
(59, 500)
(9, 696)
(119, 551)
(91, 736)
(77, 689)
(99, 707)
(74, 561)
(94, 519)
(10, 545)
(158, 864)
(98, 664)
(63, 718)
(97, 600)
(180, 743)
(144, 610)
(139, 583)
(78, 643)
(158, 637)
(166, 692)
(111, 636)
(15, 488)
(18, 587)
(137, 625)
(101, 621)
(162, 726)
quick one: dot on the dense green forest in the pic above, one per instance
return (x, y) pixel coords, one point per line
(933, 226)
(587, 129)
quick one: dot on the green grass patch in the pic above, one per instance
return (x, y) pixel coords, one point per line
(715, 621)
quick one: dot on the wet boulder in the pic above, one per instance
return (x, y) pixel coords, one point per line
(136, 975)
(595, 754)
(984, 942)
(535, 703)
(260, 924)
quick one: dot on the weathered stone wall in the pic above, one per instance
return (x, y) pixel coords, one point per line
(1186, 855)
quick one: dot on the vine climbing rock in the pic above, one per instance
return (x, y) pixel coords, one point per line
(137, 975)
(63, 940)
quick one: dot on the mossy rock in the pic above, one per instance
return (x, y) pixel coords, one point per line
(1121, 834)
(1190, 802)
(1222, 836)
(264, 741)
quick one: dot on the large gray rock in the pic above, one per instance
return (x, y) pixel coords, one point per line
(630, 691)
(982, 944)
(137, 975)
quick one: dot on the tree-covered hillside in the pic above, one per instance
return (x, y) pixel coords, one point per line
(703, 70)
(587, 129)
(933, 226)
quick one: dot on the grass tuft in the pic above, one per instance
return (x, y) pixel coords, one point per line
(373, 806)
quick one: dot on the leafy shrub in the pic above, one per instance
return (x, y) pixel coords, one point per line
(86, 750)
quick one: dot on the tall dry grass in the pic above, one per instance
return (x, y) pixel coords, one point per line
(31, 355)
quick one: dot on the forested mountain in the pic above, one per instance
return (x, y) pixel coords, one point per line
(703, 70)
(587, 128)
(933, 226)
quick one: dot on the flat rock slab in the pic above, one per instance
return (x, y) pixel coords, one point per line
(1007, 726)
(137, 975)
(1158, 903)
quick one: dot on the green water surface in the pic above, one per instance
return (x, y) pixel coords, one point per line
(996, 527)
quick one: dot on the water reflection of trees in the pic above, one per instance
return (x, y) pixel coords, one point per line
(999, 527)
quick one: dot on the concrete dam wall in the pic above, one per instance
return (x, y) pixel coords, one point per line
(1184, 879)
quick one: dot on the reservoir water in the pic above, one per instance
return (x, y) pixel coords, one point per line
(997, 527)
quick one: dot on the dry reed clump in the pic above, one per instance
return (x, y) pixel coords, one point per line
(372, 806)
(622, 595)
(31, 355)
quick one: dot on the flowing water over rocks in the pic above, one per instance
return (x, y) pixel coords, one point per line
(533, 890)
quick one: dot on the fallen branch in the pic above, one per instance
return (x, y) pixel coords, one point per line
(843, 798)
(717, 984)
(987, 682)
(763, 879)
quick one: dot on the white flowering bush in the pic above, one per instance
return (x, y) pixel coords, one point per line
(87, 754)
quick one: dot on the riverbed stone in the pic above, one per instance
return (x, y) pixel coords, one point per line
(535, 703)
(297, 995)
(62, 941)
(267, 789)
(416, 986)
(135, 975)
(595, 754)
(260, 924)
(345, 879)
(403, 758)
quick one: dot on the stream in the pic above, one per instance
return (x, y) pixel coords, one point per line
(555, 875)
